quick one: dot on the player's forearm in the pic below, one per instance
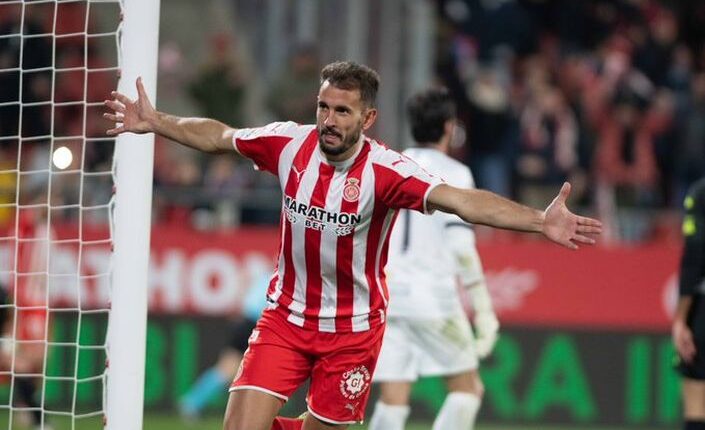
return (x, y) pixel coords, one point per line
(682, 309)
(484, 207)
(204, 134)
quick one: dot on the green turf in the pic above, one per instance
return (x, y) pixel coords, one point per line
(173, 422)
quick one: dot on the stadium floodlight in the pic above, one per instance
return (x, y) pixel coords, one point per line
(74, 212)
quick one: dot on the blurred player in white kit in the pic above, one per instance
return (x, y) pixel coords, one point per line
(428, 333)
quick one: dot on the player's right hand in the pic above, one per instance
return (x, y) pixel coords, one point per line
(128, 115)
(486, 328)
(683, 340)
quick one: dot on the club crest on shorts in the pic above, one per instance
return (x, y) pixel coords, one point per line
(355, 382)
(351, 191)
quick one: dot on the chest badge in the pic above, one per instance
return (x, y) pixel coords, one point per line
(351, 191)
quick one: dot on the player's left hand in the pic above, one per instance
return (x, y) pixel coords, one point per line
(486, 332)
(683, 341)
(564, 227)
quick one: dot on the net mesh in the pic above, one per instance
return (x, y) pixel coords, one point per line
(59, 59)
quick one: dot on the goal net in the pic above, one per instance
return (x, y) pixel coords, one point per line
(63, 198)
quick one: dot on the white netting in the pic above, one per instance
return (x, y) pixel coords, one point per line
(59, 60)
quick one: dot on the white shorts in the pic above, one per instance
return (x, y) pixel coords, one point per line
(412, 348)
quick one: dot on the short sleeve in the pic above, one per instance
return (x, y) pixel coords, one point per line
(264, 145)
(402, 184)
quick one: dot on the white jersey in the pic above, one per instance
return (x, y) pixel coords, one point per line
(429, 255)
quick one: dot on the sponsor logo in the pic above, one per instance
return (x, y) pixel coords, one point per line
(351, 191)
(355, 382)
(253, 337)
(298, 173)
(510, 286)
(317, 218)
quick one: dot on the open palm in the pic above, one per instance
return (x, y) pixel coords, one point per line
(128, 115)
(564, 227)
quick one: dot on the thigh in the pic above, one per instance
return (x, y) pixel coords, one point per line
(395, 393)
(341, 377)
(272, 363)
(466, 382)
(251, 410)
(694, 399)
(313, 423)
(397, 361)
(445, 346)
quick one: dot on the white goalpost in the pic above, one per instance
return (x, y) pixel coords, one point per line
(75, 211)
(133, 199)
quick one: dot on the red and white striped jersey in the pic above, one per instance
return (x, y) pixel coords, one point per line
(335, 224)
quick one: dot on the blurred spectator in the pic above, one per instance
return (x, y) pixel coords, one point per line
(625, 165)
(490, 130)
(219, 87)
(548, 155)
(690, 152)
(293, 95)
(36, 83)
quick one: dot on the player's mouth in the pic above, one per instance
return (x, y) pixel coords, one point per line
(331, 137)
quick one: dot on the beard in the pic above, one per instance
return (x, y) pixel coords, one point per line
(346, 143)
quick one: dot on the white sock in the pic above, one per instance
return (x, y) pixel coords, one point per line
(458, 412)
(389, 417)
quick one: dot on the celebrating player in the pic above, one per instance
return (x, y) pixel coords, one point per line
(328, 296)
(689, 321)
(428, 333)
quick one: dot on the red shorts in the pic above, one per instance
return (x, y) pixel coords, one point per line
(281, 356)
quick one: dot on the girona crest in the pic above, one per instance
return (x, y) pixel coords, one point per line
(351, 191)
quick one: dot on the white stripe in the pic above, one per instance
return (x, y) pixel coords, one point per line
(361, 287)
(329, 255)
(307, 183)
(281, 267)
(256, 388)
(296, 319)
(328, 420)
(286, 159)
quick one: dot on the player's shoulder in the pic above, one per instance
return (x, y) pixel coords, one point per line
(440, 164)
(385, 156)
(278, 128)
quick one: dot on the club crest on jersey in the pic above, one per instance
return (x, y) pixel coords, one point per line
(355, 382)
(351, 191)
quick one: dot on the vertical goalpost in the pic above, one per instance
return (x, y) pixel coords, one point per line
(127, 327)
(134, 155)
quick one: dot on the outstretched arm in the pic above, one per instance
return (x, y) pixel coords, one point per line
(557, 223)
(139, 116)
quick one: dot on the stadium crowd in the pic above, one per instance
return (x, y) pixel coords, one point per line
(607, 94)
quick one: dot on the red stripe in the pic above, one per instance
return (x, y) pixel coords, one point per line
(312, 246)
(344, 251)
(292, 186)
(264, 151)
(397, 191)
(374, 236)
(275, 278)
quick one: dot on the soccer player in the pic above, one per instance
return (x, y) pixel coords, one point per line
(428, 333)
(688, 327)
(328, 296)
(23, 317)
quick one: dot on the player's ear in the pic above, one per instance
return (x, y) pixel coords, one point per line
(369, 116)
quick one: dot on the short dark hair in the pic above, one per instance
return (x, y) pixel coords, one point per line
(347, 75)
(428, 112)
